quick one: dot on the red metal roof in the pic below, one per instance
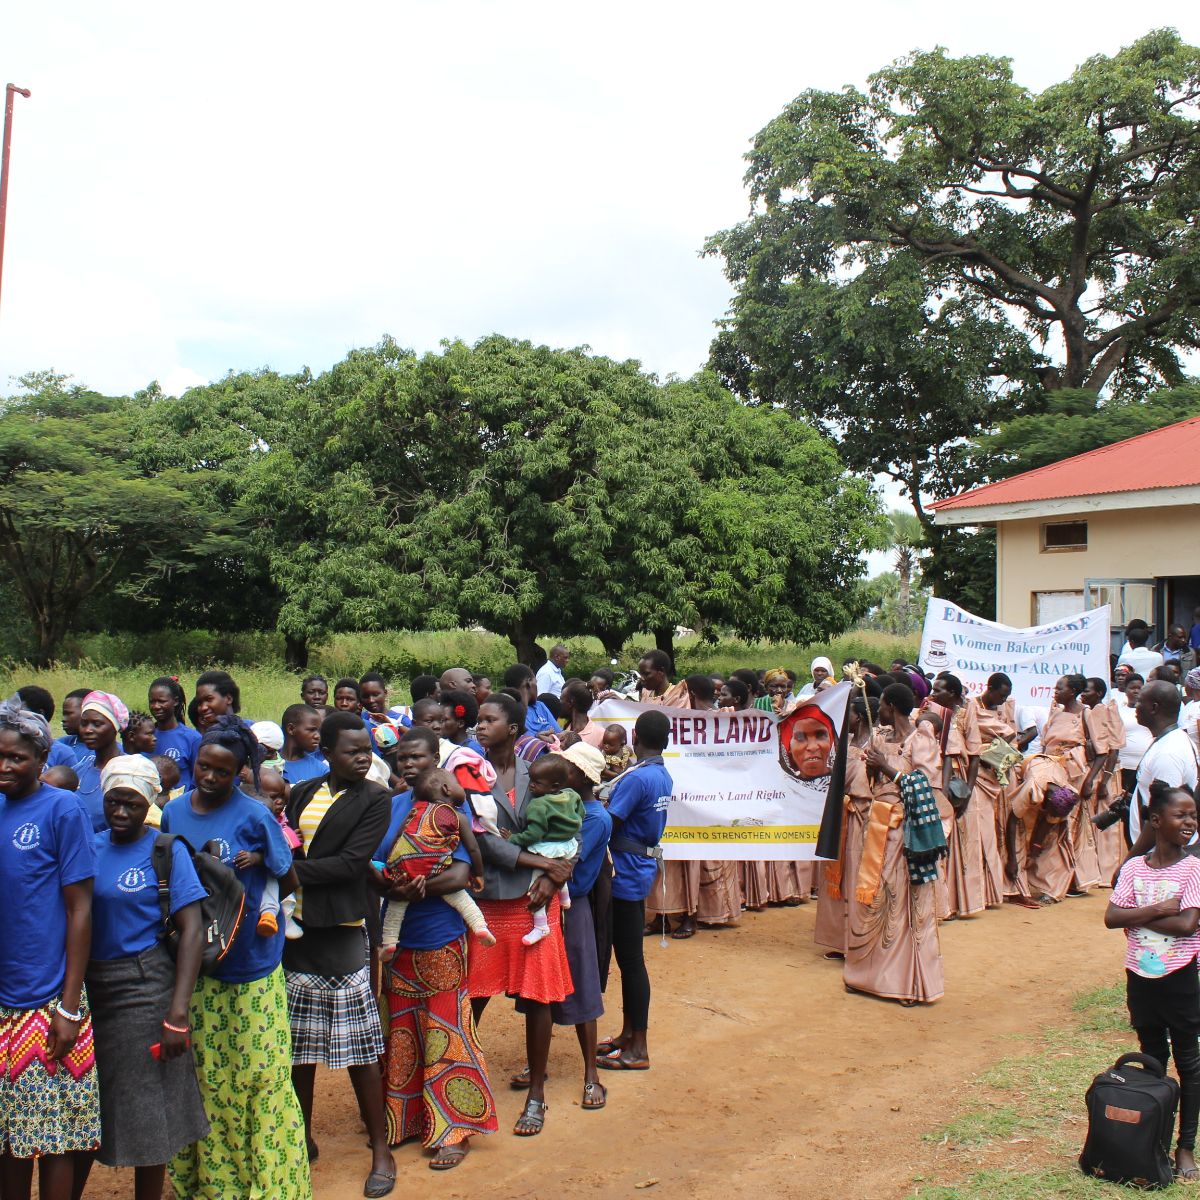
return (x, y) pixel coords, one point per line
(1163, 458)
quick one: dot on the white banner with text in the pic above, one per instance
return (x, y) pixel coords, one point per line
(747, 785)
(972, 648)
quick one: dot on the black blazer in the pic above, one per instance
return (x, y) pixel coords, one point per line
(333, 870)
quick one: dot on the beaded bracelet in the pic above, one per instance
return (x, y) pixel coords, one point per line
(176, 1028)
(67, 1014)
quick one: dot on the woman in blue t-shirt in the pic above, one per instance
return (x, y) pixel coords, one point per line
(49, 1107)
(239, 1013)
(168, 707)
(102, 719)
(448, 1100)
(150, 1106)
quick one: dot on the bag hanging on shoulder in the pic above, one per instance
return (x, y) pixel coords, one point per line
(221, 910)
(1131, 1121)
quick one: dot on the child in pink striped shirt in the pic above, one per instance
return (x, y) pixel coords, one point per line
(1157, 903)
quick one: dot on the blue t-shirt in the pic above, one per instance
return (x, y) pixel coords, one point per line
(593, 841)
(311, 766)
(67, 751)
(538, 718)
(89, 792)
(60, 755)
(640, 800)
(239, 824)
(428, 924)
(179, 745)
(45, 844)
(126, 918)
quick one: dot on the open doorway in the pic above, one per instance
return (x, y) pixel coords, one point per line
(1180, 598)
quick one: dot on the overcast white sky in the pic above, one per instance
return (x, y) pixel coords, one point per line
(195, 190)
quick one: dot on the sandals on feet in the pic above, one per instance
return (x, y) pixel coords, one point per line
(448, 1157)
(532, 1118)
(595, 1095)
(614, 1062)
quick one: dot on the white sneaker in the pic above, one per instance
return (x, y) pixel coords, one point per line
(536, 934)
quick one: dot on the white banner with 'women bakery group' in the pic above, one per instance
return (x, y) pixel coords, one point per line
(1034, 659)
(747, 785)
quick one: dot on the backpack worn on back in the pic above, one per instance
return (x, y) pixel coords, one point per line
(221, 911)
(1131, 1120)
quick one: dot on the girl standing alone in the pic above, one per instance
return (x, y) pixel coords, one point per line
(1157, 903)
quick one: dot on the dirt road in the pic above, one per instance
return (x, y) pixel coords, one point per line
(768, 1078)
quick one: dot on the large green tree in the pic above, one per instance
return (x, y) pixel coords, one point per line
(921, 254)
(553, 492)
(1073, 422)
(214, 437)
(78, 517)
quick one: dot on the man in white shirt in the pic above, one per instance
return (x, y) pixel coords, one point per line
(550, 677)
(1138, 657)
(1189, 721)
(1170, 757)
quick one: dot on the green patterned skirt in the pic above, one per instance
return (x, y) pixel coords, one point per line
(255, 1149)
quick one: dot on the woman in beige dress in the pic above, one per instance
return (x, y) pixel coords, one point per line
(964, 874)
(837, 879)
(892, 949)
(1053, 870)
(1107, 740)
(988, 717)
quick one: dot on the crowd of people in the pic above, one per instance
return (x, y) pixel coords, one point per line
(403, 864)
(398, 866)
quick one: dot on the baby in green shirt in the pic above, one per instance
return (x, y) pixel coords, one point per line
(553, 819)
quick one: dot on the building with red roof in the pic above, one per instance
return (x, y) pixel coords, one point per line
(1119, 525)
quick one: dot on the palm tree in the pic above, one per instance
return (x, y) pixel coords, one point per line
(907, 538)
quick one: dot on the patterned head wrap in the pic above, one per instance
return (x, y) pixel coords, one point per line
(16, 717)
(111, 708)
(1192, 679)
(132, 771)
(779, 675)
(231, 733)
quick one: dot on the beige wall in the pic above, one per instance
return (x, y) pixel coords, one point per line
(1130, 544)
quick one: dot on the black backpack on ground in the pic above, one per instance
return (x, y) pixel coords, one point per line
(221, 911)
(1131, 1121)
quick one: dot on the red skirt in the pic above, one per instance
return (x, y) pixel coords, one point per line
(539, 973)
(435, 1077)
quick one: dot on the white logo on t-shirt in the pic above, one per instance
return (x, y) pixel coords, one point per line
(27, 836)
(173, 754)
(224, 850)
(136, 879)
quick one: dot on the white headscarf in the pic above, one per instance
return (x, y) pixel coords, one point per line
(132, 771)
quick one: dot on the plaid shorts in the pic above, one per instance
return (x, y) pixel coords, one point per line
(334, 1019)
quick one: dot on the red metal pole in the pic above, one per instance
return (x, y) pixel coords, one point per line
(9, 93)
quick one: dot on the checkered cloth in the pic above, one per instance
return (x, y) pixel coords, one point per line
(924, 837)
(334, 1019)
